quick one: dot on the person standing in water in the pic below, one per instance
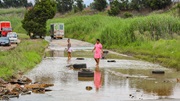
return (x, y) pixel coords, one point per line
(98, 51)
(69, 50)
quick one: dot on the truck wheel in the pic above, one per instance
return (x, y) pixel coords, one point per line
(106, 52)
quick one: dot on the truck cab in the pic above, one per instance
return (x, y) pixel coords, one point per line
(57, 30)
(5, 27)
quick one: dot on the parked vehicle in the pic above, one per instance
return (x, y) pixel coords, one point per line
(4, 41)
(13, 37)
(5, 27)
(57, 30)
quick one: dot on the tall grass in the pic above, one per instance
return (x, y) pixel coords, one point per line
(153, 38)
(11, 10)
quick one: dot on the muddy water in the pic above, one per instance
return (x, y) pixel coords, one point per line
(125, 79)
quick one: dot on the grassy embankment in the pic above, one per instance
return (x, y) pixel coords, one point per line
(27, 54)
(154, 38)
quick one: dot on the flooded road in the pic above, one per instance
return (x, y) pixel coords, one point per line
(124, 80)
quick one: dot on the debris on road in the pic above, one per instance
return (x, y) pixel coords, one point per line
(158, 72)
(79, 66)
(88, 88)
(105, 54)
(79, 58)
(85, 73)
(21, 86)
(111, 60)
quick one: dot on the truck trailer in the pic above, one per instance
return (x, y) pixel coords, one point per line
(57, 30)
(5, 27)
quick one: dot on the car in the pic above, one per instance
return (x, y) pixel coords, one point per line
(5, 41)
(13, 37)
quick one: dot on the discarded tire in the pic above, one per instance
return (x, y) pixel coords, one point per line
(79, 66)
(85, 73)
(158, 72)
(106, 52)
(111, 61)
(79, 58)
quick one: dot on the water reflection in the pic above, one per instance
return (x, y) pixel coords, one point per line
(98, 78)
(159, 88)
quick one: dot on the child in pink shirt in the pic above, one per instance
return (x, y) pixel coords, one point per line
(98, 50)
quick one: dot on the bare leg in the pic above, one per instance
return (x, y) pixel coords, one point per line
(98, 61)
(69, 55)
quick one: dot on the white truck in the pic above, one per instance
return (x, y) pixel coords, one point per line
(57, 30)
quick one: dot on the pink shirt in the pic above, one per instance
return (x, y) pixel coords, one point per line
(98, 49)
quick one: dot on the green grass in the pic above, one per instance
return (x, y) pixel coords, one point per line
(23, 58)
(153, 38)
(11, 10)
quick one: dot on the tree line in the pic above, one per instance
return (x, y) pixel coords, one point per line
(34, 21)
(14, 3)
(118, 5)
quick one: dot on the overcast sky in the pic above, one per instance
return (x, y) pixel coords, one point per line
(87, 2)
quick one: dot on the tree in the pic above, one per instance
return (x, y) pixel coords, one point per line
(64, 6)
(100, 5)
(75, 8)
(79, 4)
(178, 7)
(114, 8)
(124, 4)
(1, 4)
(15, 3)
(158, 4)
(138, 4)
(23, 3)
(35, 19)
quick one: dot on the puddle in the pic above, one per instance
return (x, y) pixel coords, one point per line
(125, 79)
(140, 84)
(83, 53)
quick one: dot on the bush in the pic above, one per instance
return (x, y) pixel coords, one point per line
(178, 7)
(127, 15)
(114, 11)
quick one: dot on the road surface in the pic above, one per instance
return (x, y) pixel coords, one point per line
(123, 80)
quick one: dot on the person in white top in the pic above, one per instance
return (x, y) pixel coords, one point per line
(69, 50)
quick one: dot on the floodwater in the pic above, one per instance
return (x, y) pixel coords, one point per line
(124, 80)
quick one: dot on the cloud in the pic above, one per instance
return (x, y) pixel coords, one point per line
(87, 2)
